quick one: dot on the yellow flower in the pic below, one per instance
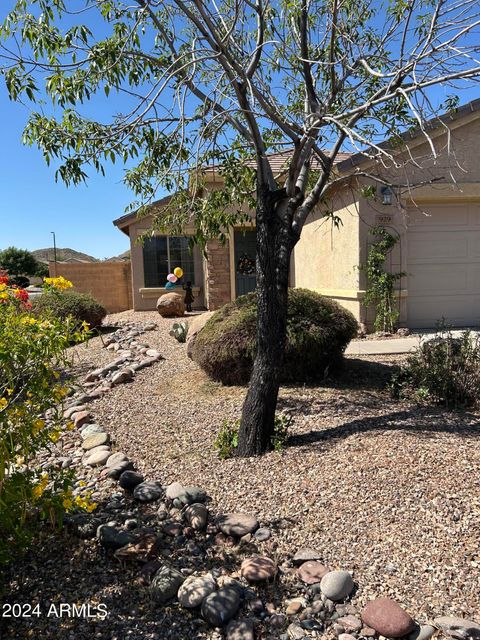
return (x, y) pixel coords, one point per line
(29, 320)
(37, 426)
(70, 426)
(67, 500)
(37, 491)
(91, 507)
(3, 286)
(40, 487)
(3, 295)
(3, 403)
(59, 392)
(54, 436)
(83, 502)
(58, 283)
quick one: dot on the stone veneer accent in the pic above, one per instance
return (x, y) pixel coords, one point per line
(217, 275)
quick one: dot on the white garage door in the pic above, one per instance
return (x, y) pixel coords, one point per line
(444, 265)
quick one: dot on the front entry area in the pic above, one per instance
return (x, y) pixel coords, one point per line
(244, 254)
(444, 265)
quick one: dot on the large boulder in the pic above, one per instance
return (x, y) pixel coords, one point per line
(318, 330)
(194, 327)
(171, 305)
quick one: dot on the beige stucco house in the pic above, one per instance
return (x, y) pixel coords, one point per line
(435, 210)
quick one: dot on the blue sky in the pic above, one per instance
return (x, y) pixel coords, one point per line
(33, 204)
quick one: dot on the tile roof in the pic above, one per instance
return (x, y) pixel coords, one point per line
(279, 160)
(344, 161)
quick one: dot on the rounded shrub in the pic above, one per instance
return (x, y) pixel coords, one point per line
(62, 304)
(318, 330)
(444, 370)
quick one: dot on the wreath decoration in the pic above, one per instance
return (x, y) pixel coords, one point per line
(246, 265)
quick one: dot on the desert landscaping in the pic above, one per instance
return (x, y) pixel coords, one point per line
(381, 489)
(240, 320)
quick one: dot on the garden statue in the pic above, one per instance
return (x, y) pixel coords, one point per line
(189, 298)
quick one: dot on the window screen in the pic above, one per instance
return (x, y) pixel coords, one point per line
(160, 257)
(180, 256)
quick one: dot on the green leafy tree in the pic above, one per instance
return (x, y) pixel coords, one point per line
(222, 83)
(18, 262)
(42, 270)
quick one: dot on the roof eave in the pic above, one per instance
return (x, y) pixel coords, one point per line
(472, 107)
(123, 223)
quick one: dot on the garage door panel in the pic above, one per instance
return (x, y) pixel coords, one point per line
(459, 311)
(439, 216)
(474, 210)
(431, 278)
(474, 245)
(423, 247)
(473, 282)
(443, 265)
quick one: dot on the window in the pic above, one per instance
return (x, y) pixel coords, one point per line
(161, 255)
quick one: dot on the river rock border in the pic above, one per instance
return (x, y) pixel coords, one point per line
(234, 597)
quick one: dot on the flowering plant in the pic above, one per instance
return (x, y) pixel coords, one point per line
(32, 390)
(59, 283)
(11, 293)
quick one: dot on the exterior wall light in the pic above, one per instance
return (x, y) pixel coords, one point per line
(387, 196)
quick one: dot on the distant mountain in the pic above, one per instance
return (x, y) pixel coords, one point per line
(63, 255)
(120, 258)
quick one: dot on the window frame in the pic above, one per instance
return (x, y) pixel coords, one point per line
(168, 256)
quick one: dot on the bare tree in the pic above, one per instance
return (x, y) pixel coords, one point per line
(218, 82)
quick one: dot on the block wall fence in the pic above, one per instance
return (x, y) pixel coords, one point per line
(109, 282)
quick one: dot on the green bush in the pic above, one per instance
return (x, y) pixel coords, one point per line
(318, 330)
(444, 370)
(82, 307)
(32, 355)
(283, 423)
(226, 441)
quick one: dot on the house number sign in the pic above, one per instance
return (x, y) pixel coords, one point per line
(383, 219)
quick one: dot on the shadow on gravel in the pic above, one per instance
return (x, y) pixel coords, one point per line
(354, 373)
(365, 374)
(425, 422)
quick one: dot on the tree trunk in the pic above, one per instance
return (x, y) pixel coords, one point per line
(274, 247)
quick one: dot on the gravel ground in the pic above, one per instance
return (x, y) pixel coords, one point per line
(388, 491)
